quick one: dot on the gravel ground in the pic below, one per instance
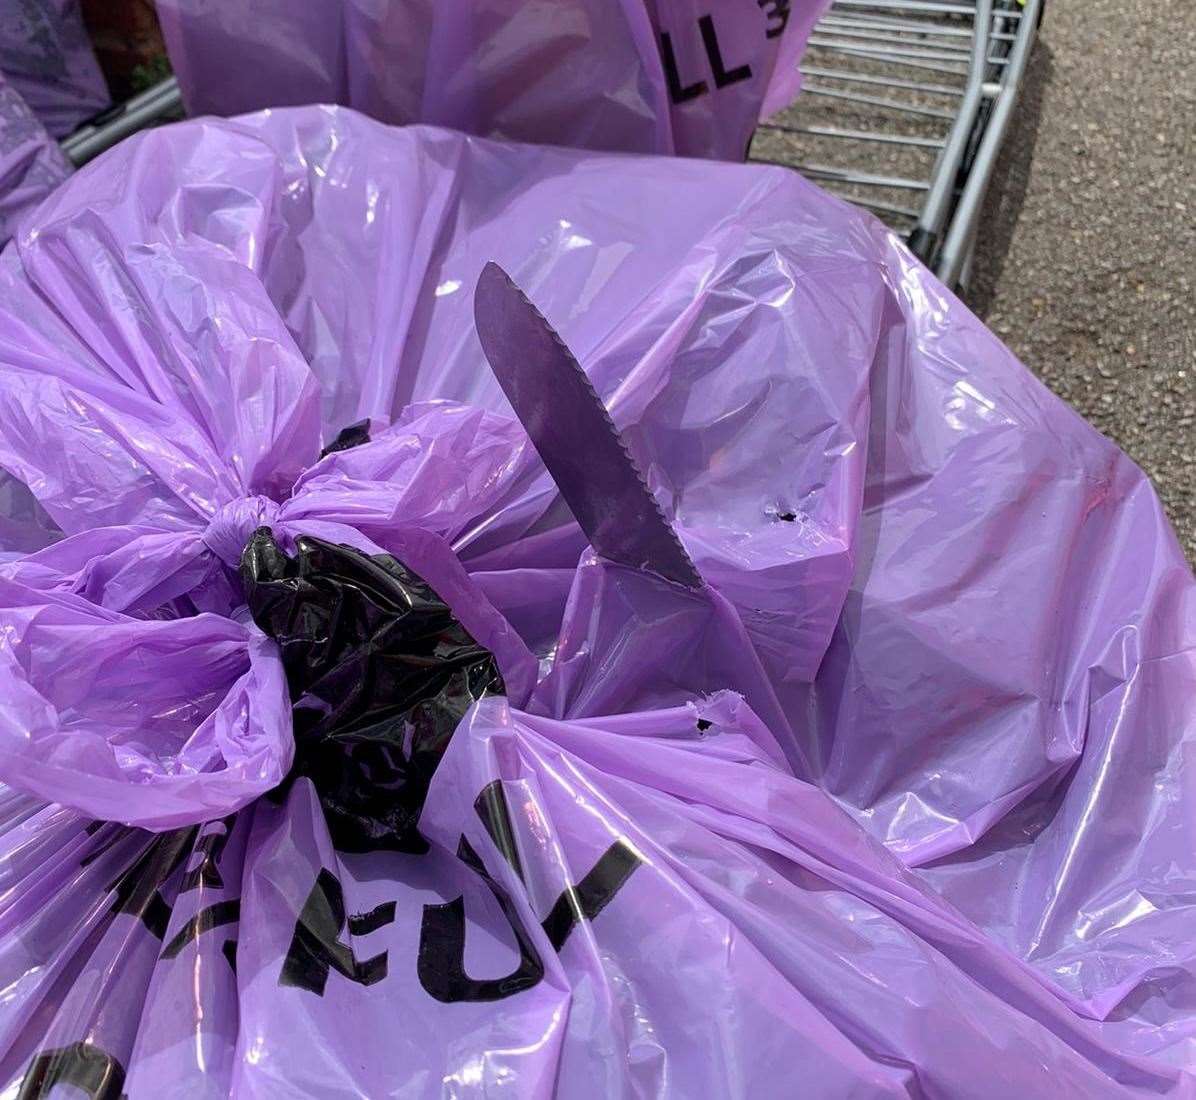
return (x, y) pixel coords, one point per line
(1087, 249)
(1087, 257)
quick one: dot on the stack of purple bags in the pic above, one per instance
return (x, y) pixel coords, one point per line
(645, 76)
(340, 762)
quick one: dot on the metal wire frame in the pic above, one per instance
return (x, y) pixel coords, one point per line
(876, 57)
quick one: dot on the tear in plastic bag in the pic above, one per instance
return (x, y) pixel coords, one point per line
(649, 76)
(896, 802)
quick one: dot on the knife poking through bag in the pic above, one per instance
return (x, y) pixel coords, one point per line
(574, 434)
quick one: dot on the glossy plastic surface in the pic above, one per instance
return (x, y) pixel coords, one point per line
(898, 803)
(648, 76)
(380, 673)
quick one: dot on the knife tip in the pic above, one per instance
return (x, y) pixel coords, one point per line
(492, 271)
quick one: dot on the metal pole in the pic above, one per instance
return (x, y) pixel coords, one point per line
(111, 126)
(853, 135)
(925, 236)
(884, 81)
(955, 247)
(863, 179)
(877, 101)
(930, 7)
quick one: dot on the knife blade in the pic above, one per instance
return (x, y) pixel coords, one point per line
(574, 434)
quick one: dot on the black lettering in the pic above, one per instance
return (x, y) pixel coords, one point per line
(491, 807)
(316, 948)
(590, 896)
(441, 963)
(137, 890)
(776, 12)
(81, 1065)
(224, 912)
(722, 77)
(210, 845)
(678, 93)
(114, 836)
(362, 924)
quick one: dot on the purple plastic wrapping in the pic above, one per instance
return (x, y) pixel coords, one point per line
(49, 83)
(648, 76)
(31, 164)
(897, 803)
(46, 55)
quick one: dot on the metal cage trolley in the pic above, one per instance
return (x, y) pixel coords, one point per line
(904, 109)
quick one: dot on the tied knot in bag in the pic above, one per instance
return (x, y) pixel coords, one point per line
(229, 530)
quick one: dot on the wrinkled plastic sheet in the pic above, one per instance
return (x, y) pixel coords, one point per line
(648, 76)
(898, 803)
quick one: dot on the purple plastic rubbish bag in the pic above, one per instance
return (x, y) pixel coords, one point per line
(31, 164)
(648, 76)
(46, 56)
(338, 764)
(49, 83)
